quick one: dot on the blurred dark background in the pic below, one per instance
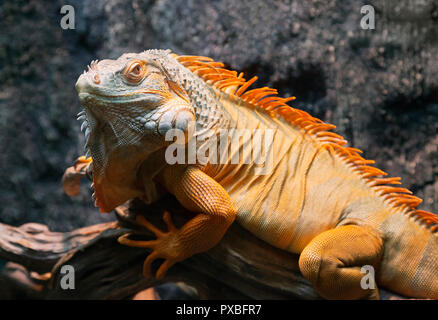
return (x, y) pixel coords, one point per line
(380, 87)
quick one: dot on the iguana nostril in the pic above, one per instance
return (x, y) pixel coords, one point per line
(96, 79)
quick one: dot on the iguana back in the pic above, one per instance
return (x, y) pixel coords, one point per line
(315, 176)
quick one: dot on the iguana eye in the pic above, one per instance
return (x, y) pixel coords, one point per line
(134, 72)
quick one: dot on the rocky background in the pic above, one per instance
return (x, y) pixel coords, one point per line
(380, 87)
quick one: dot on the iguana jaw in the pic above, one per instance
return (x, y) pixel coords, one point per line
(115, 162)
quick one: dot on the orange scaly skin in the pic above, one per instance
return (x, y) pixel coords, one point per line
(318, 199)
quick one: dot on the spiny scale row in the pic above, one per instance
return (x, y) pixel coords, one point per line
(230, 82)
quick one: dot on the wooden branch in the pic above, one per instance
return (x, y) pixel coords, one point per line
(241, 266)
(249, 268)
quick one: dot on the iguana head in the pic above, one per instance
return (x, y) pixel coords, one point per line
(129, 105)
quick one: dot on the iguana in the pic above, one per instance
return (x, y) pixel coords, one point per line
(321, 199)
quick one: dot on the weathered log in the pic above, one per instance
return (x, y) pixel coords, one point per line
(241, 266)
(248, 267)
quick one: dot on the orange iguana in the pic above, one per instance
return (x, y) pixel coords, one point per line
(320, 199)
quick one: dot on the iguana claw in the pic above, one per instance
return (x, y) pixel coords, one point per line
(166, 246)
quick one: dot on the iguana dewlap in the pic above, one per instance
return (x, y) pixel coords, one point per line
(316, 198)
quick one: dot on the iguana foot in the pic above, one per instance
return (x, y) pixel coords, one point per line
(72, 176)
(197, 192)
(333, 262)
(83, 164)
(167, 246)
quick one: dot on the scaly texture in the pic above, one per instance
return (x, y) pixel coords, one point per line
(312, 195)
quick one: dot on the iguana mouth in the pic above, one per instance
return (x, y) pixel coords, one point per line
(137, 98)
(100, 94)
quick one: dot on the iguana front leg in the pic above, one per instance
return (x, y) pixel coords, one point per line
(197, 192)
(332, 261)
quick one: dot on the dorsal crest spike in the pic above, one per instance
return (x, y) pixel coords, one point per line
(245, 86)
(265, 98)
